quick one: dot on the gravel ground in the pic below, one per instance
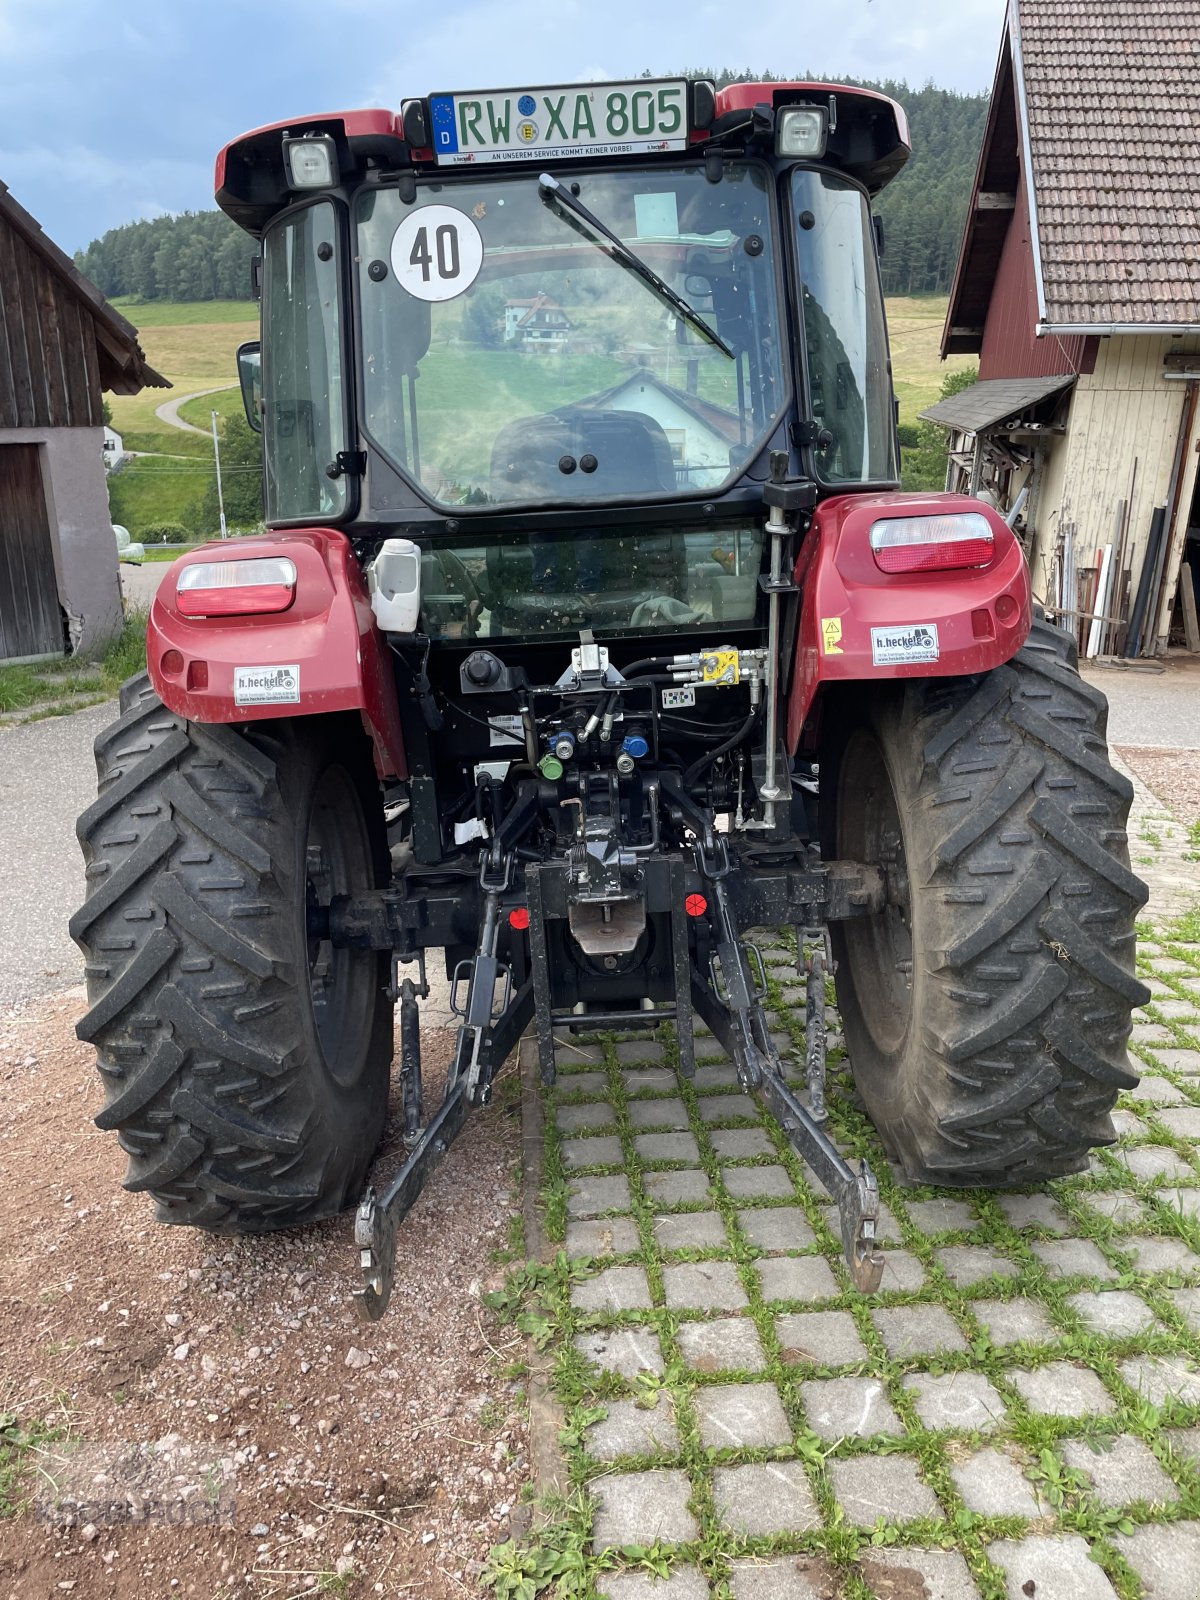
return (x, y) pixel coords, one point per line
(139, 585)
(47, 777)
(226, 1428)
(1148, 706)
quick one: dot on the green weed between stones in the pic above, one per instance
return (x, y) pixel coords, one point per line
(1036, 1271)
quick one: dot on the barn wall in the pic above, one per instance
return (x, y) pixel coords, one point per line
(49, 369)
(1122, 411)
(85, 552)
(1010, 348)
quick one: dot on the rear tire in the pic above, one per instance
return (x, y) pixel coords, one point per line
(996, 1059)
(245, 1068)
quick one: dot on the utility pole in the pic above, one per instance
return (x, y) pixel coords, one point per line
(217, 456)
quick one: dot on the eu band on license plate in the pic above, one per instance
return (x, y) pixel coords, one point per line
(589, 119)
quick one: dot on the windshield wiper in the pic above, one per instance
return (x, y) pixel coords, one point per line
(555, 193)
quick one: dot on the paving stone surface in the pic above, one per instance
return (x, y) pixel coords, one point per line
(613, 1289)
(1058, 1567)
(918, 1330)
(724, 1344)
(762, 1348)
(642, 1507)
(602, 1236)
(764, 1498)
(683, 1583)
(994, 1485)
(1060, 1389)
(796, 1278)
(1121, 1470)
(1015, 1321)
(627, 1351)
(777, 1228)
(741, 1416)
(891, 1487)
(849, 1408)
(1166, 1558)
(1117, 1313)
(758, 1183)
(691, 1230)
(784, 1578)
(631, 1429)
(602, 1151)
(942, 1574)
(704, 1286)
(589, 1197)
(956, 1402)
(820, 1338)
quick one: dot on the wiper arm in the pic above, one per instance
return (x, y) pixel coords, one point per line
(555, 193)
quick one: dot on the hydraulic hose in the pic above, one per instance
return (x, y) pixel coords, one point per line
(706, 760)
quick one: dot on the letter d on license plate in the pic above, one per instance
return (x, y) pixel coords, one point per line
(266, 686)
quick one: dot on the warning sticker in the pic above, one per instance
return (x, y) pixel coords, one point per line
(720, 666)
(507, 730)
(831, 635)
(902, 646)
(266, 686)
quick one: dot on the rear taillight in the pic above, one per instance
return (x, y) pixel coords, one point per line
(932, 544)
(236, 588)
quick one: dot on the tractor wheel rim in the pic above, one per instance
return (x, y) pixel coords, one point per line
(880, 947)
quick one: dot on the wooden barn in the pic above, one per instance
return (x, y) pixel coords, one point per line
(1078, 287)
(61, 346)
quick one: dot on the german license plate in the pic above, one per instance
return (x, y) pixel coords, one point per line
(589, 119)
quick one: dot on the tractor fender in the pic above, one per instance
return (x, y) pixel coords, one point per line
(948, 624)
(324, 653)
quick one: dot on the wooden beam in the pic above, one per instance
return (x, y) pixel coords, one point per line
(965, 333)
(1187, 593)
(987, 200)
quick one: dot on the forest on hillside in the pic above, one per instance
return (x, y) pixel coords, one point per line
(201, 255)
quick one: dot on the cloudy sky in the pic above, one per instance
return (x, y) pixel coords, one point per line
(114, 109)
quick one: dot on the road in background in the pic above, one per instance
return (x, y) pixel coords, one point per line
(47, 777)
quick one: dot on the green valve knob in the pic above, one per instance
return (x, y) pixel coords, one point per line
(550, 767)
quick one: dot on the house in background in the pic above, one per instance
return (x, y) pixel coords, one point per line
(1078, 287)
(61, 346)
(538, 324)
(112, 448)
(699, 433)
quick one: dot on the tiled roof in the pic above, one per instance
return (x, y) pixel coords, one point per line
(1113, 96)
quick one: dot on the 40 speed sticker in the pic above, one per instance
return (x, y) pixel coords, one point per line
(437, 253)
(266, 686)
(905, 645)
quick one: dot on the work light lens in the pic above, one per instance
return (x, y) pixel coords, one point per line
(311, 163)
(801, 131)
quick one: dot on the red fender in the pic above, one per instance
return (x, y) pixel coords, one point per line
(977, 618)
(328, 634)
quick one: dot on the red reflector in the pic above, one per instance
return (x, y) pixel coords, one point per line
(934, 557)
(235, 602)
(518, 917)
(695, 905)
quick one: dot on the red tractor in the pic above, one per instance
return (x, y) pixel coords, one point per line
(590, 634)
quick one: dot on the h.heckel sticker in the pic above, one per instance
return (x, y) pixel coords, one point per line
(831, 635)
(902, 646)
(266, 686)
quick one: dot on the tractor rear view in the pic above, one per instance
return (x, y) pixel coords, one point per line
(590, 633)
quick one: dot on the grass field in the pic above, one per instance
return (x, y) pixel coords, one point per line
(193, 344)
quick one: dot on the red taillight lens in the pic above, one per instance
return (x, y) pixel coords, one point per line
(932, 544)
(236, 588)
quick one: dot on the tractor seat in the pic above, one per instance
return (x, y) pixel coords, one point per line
(631, 451)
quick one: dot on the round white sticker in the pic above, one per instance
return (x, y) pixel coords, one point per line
(437, 253)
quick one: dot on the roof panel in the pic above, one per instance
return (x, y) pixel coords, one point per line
(985, 404)
(1113, 97)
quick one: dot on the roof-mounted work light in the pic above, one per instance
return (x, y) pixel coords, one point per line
(801, 131)
(310, 161)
